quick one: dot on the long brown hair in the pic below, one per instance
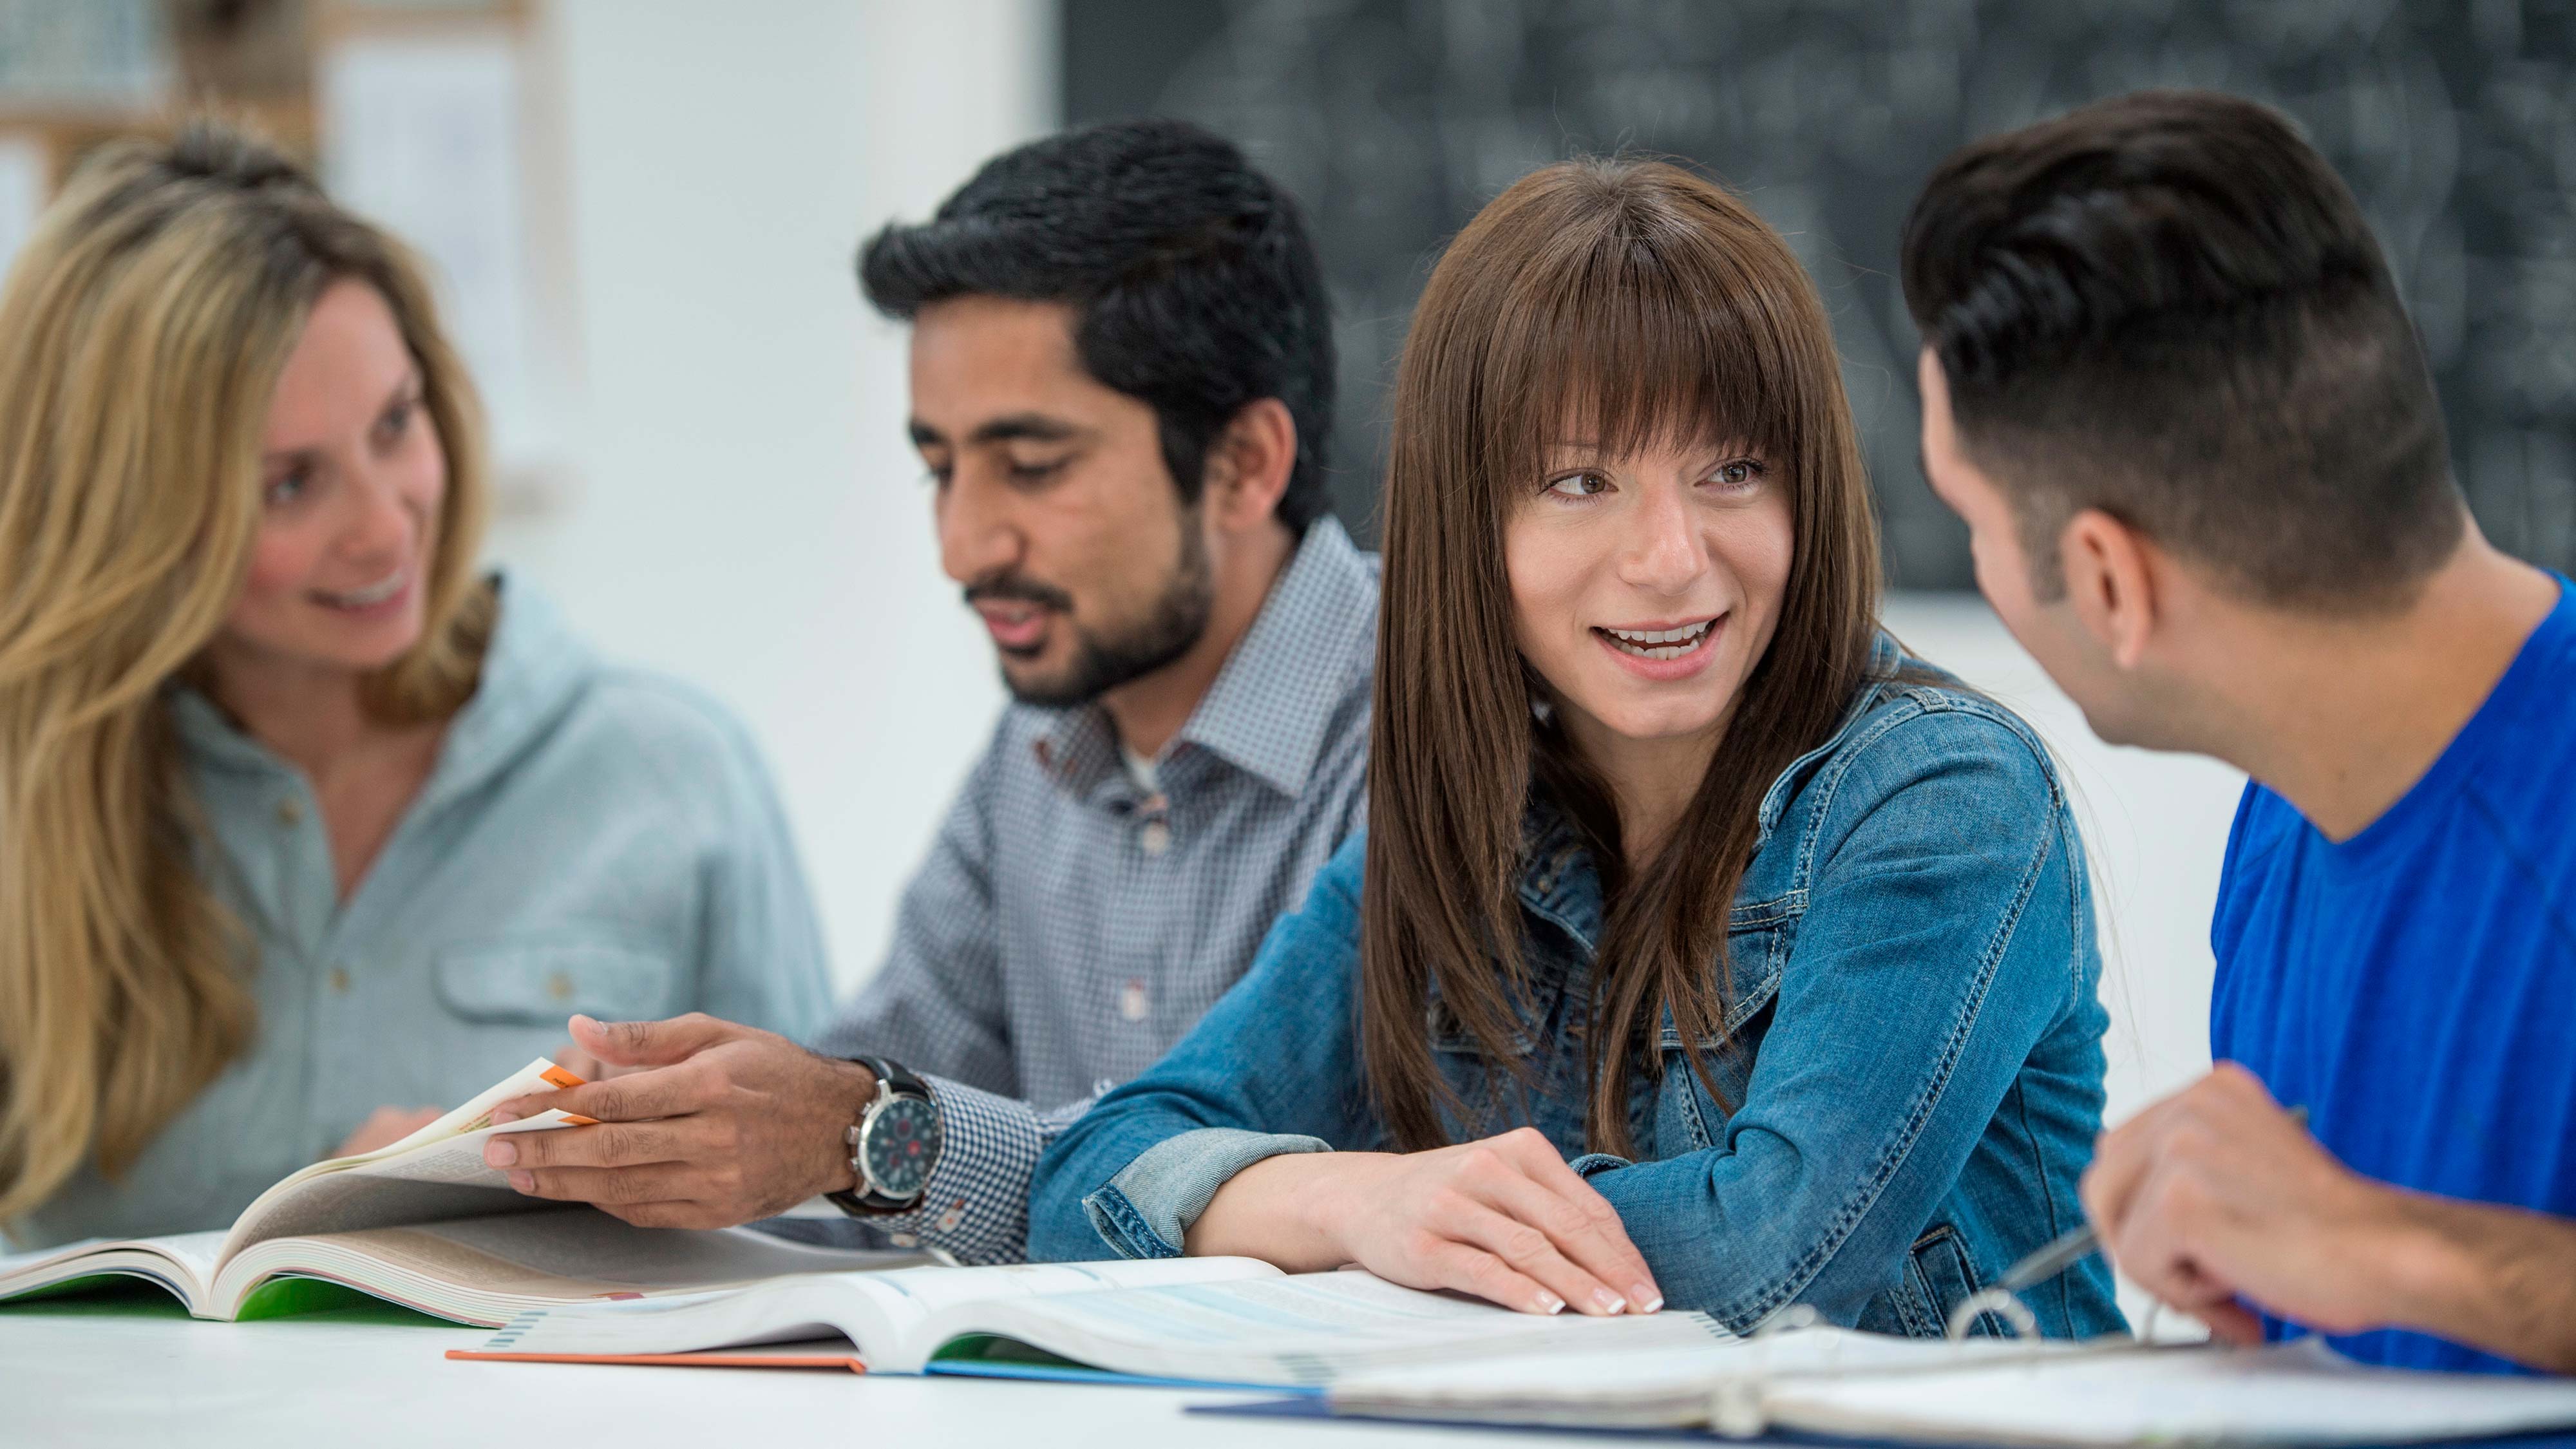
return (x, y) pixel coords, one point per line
(1651, 305)
(142, 332)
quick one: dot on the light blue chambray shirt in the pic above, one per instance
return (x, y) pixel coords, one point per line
(593, 838)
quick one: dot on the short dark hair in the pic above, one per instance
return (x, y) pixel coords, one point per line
(2167, 306)
(1195, 285)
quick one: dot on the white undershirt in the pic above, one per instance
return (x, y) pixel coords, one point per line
(1140, 768)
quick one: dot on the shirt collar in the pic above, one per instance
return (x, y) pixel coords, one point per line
(1276, 695)
(533, 667)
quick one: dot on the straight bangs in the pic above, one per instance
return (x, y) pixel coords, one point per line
(1645, 317)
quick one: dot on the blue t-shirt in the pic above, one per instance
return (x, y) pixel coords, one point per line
(2415, 986)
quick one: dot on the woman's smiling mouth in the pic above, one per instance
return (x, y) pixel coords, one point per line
(1663, 651)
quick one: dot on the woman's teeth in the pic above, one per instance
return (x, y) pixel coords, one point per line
(1660, 643)
(368, 597)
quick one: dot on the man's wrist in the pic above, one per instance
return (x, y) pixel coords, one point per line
(855, 1087)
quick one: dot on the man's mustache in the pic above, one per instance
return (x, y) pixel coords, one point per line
(1011, 586)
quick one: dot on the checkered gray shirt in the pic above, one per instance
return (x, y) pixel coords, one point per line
(1068, 928)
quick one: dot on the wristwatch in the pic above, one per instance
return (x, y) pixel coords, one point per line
(893, 1146)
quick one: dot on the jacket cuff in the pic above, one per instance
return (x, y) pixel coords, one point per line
(1147, 1209)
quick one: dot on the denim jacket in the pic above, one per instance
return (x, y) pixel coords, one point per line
(1913, 1057)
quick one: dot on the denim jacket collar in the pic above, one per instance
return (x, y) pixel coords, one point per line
(1885, 657)
(1557, 880)
(1560, 884)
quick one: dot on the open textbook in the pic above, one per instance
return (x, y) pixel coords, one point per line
(426, 1224)
(1201, 1320)
(1831, 1381)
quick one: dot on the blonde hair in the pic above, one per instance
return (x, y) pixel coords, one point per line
(142, 332)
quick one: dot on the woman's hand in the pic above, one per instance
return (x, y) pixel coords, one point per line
(1504, 1219)
(383, 1128)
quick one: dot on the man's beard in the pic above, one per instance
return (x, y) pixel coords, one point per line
(1102, 662)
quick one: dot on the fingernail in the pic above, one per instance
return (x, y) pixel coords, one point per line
(500, 1152)
(1549, 1302)
(503, 1114)
(1653, 1300)
(1607, 1301)
(523, 1182)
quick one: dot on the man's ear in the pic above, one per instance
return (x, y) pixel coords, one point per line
(2111, 581)
(1249, 466)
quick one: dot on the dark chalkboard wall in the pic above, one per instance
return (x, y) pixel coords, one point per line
(1393, 120)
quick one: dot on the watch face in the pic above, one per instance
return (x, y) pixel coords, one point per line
(902, 1143)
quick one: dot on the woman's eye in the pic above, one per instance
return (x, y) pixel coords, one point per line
(1579, 485)
(286, 489)
(1030, 473)
(1742, 473)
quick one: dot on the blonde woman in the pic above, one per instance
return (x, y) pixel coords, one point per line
(304, 825)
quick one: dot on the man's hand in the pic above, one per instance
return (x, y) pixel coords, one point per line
(1504, 1219)
(577, 1059)
(716, 1124)
(2217, 1192)
(384, 1127)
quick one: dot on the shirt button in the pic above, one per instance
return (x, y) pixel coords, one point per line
(1156, 837)
(289, 814)
(339, 978)
(559, 986)
(1132, 1001)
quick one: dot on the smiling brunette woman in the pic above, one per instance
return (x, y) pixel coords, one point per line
(299, 816)
(1703, 948)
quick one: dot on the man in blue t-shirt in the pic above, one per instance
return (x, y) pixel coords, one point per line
(2168, 382)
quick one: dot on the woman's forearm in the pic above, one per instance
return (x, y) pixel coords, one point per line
(1281, 1210)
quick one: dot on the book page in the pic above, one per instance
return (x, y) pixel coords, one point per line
(429, 1183)
(182, 1262)
(489, 1268)
(587, 1247)
(1309, 1329)
(1654, 1387)
(2292, 1393)
(885, 1314)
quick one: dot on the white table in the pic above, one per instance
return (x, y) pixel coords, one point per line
(73, 1374)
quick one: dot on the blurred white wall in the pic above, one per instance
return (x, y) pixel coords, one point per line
(745, 511)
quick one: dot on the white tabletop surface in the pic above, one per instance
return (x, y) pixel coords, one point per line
(86, 1373)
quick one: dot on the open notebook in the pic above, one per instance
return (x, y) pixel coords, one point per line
(425, 1224)
(1196, 1320)
(1835, 1382)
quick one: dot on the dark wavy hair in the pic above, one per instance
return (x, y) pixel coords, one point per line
(1195, 285)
